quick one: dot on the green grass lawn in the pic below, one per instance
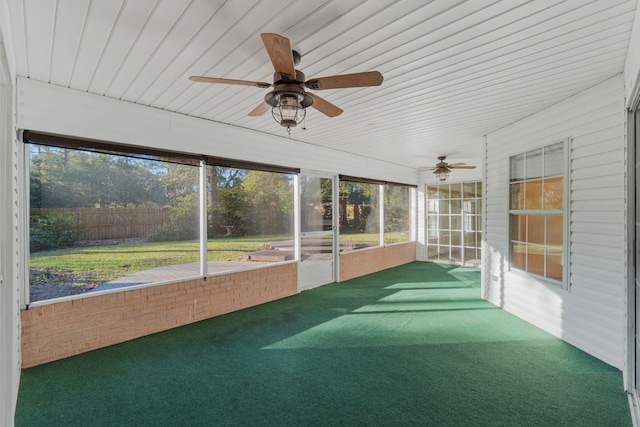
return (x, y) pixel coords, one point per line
(373, 239)
(108, 262)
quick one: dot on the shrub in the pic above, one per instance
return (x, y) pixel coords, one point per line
(52, 231)
(183, 223)
(231, 210)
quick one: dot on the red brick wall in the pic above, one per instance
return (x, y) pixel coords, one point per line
(358, 263)
(58, 330)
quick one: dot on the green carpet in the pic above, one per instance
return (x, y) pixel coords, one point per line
(412, 346)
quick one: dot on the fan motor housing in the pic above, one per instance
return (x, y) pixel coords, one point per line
(271, 98)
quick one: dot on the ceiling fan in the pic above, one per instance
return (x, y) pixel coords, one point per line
(442, 168)
(288, 100)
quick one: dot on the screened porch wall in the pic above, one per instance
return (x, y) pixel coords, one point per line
(52, 109)
(588, 311)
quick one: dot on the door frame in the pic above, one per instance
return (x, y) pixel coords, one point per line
(630, 374)
(334, 229)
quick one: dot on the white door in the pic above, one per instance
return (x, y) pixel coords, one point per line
(317, 238)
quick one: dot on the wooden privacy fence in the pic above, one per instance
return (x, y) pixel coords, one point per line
(112, 223)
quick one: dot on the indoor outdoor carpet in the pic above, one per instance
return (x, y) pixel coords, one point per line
(413, 346)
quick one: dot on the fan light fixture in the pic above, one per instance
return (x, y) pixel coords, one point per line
(442, 174)
(288, 110)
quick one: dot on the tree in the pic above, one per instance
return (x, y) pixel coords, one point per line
(397, 205)
(181, 191)
(231, 211)
(358, 197)
(227, 204)
(271, 198)
(66, 178)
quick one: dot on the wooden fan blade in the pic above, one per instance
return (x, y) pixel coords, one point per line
(260, 109)
(461, 167)
(369, 78)
(456, 164)
(203, 79)
(325, 107)
(279, 50)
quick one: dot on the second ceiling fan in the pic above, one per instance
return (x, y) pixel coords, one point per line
(289, 99)
(442, 169)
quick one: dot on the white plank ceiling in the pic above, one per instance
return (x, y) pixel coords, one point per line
(454, 70)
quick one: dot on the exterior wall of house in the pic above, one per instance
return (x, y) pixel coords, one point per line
(590, 312)
(66, 328)
(632, 64)
(359, 263)
(9, 288)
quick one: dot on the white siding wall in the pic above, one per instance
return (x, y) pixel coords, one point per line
(632, 63)
(590, 314)
(48, 108)
(9, 287)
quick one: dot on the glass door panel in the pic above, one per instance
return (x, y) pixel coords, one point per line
(317, 236)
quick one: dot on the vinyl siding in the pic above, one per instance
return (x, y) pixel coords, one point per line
(590, 312)
(9, 255)
(632, 63)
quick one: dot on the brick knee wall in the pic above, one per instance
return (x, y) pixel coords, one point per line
(62, 329)
(58, 330)
(358, 263)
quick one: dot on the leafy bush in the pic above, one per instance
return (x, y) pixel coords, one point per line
(231, 211)
(183, 223)
(172, 233)
(52, 231)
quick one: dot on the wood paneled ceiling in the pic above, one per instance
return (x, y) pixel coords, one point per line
(454, 70)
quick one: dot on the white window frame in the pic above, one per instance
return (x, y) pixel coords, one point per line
(478, 227)
(566, 213)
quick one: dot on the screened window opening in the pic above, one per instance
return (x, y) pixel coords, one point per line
(398, 205)
(359, 215)
(454, 223)
(97, 219)
(536, 210)
(250, 217)
(102, 219)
